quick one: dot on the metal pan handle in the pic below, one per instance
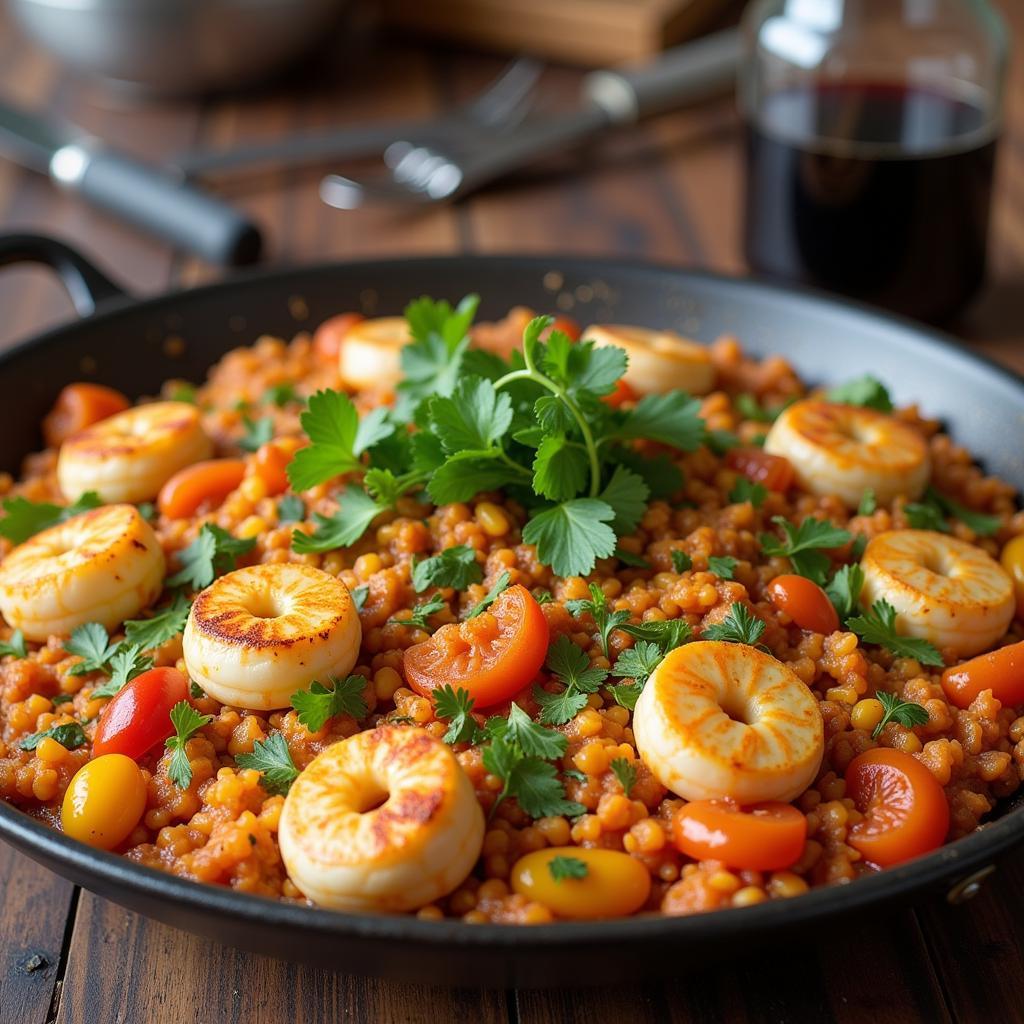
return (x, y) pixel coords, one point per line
(87, 286)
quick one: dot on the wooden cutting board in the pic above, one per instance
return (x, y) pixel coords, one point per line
(588, 32)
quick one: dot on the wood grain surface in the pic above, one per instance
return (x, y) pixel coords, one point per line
(669, 191)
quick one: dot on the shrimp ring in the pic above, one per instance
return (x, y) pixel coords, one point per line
(384, 820)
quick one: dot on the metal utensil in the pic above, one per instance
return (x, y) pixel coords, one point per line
(142, 195)
(503, 104)
(431, 172)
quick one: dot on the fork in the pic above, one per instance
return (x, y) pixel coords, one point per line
(501, 105)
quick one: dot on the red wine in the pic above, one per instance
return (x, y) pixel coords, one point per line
(898, 217)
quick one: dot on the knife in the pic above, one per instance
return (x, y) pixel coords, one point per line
(138, 193)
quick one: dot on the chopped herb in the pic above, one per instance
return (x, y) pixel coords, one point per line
(573, 669)
(668, 634)
(747, 490)
(575, 775)
(272, 759)
(127, 663)
(866, 390)
(604, 618)
(543, 596)
(91, 643)
(291, 509)
(625, 771)
(636, 663)
(878, 626)
(15, 646)
(860, 542)
(187, 722)
(422, 612)
(750, 408)
(868, 503)
(906, 713)
(803, 545)
(844, 589)
(562, 868)
(925, 516)
(454, 567)
(195, 691)
(280, 394)
(628, 558)
(213, 553)
(182, 391)
(61, 698)
(257, 433)
(720, 441)
(499, 587)
(69, 735)
(722, 566)
(681, 561)
(24, 518)
(161, 627)
(317, 705)
(356, 511)
(359, 596)
(147, 510)
(930, 514)
(740, 626)
(455, 705)
(571, 537)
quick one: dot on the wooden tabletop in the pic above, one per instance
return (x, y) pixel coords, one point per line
(669, 191)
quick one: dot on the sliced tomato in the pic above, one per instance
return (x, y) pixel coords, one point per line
(773, 471)
(1000, 671)
(330, 334)
(804, 602)
(762, 837)
(139, 717)
(492, 656)
(904, 807)
(79, 406)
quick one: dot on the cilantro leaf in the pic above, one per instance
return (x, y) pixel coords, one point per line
(561, 868)
(750, 408)
(604, 618)
(359, 596)
(69, 735)
(747, 490)
(625, 771)
(668, 634)
(639, 661)
(802, 545)
(92, 644)
(454, 567)
(272, 759)
(432, 361)
(740, 626)
(627, 493)
(925, 516)
(492, 595)
(983, 525)
(570, 537)
(868, 503)
(317, 705)
(474, 417)
(186, 721)
(152, 632)
(844, 589)
(681, 561)
(291, 509)
(212, 554)
(672, 418)
(572, 666)
(422, 612)
(455, 705)
(628, 558)
(24, 518)
(280, 394)
(338, 439)
(465, 474)
(867, 390)
(723, 566)
(561, 707)
(533, 739)
(127, 663)
(15, 646)
(257, 433)
(906, 713)
(356, 511)
(878, 626)
(560, 468)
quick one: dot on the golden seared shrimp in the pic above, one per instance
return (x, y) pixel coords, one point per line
(370, 353)
(943, 589)
(658, 360)
(256, 635)
(130, 456)
(384, 820)
(721, 721)
(847, 449)
(103, 566)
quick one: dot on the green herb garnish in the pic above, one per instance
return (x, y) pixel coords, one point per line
(187, 722)
(317, 705)
(153, 632)
(492, 595)
(561, 868)
(69, 735)
(573, 669)
(803, 545)
(455, 705)
(867, 391)
(906, 713)
(23, 518)
(625, 771)
(213, 553)
(740, 626)
(878, 626)
(272, 759)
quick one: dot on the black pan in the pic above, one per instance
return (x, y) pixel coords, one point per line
(135, 345)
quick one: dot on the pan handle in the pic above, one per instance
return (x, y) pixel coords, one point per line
(87, 286)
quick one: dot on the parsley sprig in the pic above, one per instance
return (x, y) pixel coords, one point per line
(273, 760)
(15, 646)
(127, 663)
(560, 868)
(906, 713)
(579, 679)
(492, 595)
(930, 514)
(317, 705)
(23, 518)
(740, 626)
(878, 626)
(419, 615)
(187, 722)
(69, 735)
(803, 545)
(604, 618)
(867, 391)
(213, 553)
(455, 705)
(159, 628)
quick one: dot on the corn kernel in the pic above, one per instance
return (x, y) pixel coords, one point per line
(492, 519)
(866, 714)
(251, 526)
(253, 488)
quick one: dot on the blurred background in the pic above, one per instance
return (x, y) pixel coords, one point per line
(871, 147)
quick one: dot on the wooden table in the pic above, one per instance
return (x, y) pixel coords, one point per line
(668, 192)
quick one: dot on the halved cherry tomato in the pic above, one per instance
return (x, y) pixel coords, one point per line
(905, 810)
(1000, 671)
(804, 602)
(271, 462)
(207, 482)
(773, 471)
(139, 717)
(1012, 560)
(79, 406)
(762, 837)
(622, 393)
(492, 656)
(330, 334)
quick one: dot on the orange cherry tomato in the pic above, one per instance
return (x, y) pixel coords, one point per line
(762, 837)
(139, 716)
(330, 334)
(493, 656)
(773, 471)
(271, 462)
(1000, 671)
(622, 393)
(566, 325)
(904, 807)
(1012, 560)
(202, 483)
(79, 406)
(804, 602)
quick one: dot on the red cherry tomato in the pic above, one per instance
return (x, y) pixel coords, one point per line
(804, 602)
(139, 717)
(773, 471)
(330, 334)
(492, 656)
(762, 837)
(904, 807)
(1000, 671)
(622, 393)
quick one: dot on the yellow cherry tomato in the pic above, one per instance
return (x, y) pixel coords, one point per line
(609, 883)
(104, 801)
(1012, 559)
